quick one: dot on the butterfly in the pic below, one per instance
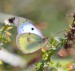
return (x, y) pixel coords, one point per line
(29, 38)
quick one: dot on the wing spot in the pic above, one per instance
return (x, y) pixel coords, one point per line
(32, 28)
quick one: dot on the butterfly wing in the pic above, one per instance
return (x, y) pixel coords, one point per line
(28, 27)
(29, 43)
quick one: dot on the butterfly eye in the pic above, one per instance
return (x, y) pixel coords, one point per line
(32, 28)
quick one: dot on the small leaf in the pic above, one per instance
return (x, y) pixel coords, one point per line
(8, 34)
(9, 28)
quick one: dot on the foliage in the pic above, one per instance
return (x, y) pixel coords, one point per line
(55, 45)
(4, 34)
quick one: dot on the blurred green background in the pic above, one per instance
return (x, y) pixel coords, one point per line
(50, 16)
(51, 12)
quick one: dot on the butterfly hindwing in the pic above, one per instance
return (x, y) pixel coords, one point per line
(29, 43)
